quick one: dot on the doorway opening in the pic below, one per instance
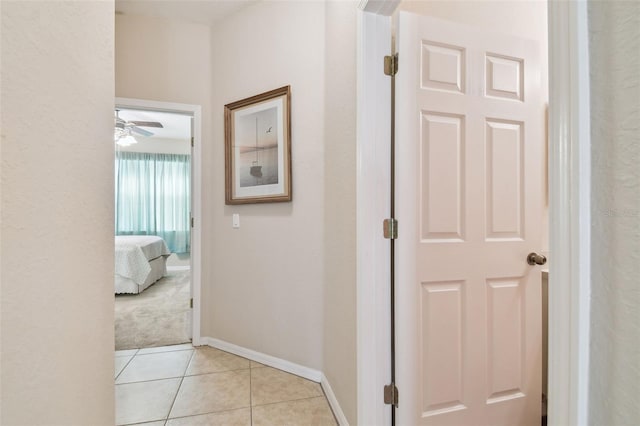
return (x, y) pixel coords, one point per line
(156, 190)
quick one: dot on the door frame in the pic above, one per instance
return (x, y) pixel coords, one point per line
(194, 111)
(569, 211)
(372, 207)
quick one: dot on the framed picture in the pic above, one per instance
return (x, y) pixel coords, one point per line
(258, 148)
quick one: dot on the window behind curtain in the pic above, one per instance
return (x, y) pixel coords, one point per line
(153, 197)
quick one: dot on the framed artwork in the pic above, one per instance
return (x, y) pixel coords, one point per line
(258, 148)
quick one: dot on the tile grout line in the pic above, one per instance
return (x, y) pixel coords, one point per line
(156, 351)
(250, 395)
(156, 379)
(181, 376)
(123, 368)
(163, 352)
(120, 350)
(179, 386)
(205, 413)
(150, 380)
(215, 372)
(295, 400)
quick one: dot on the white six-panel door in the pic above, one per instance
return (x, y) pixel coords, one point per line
(469, 204)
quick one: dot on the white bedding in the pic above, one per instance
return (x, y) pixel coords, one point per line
(133, 254)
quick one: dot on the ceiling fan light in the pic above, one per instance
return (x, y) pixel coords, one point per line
(126, 141)
(118, 134)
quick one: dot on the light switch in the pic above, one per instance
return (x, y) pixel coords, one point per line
(236, 220)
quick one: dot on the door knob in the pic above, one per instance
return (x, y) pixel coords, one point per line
(536, 259)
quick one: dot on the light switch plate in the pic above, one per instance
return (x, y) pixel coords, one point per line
(236, 220)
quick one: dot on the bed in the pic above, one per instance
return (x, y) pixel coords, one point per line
(140, 261)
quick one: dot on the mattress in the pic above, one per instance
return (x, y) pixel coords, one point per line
(134, 256)
(158, 270)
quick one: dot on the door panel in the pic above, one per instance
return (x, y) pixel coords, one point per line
(504, 171)
(443, 199)
(442, 325)
(469, 205)
(442, 67)
(505, 349)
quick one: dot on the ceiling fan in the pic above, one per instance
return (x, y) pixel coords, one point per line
(133, 126)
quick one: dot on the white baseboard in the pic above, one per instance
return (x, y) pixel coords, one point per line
(333, 402)
(271, 361)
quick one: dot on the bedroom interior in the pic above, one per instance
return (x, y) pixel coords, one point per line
(152, 214)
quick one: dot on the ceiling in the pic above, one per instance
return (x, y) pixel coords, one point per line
(176, 126)
(206, 12)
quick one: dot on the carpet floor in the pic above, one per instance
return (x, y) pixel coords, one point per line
(159, 316)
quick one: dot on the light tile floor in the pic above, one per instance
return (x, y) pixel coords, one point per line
(181, 385)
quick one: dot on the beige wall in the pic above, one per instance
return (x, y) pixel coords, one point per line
(57, 213)
(339, 315)
(163, 60)
(266, 281)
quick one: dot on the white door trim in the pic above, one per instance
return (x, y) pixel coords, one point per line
(569, 179)
(569, 213)
(196, 163)
(372, 206)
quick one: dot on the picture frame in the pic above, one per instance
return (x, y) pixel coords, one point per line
(258, 148)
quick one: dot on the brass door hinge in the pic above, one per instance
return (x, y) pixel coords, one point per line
(391, 65)
(192, 222)
(390, 229)
(391, 395)
(191, 303)
(192, 141)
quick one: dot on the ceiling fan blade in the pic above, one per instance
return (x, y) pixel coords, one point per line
(148, 124)
(140, 131)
